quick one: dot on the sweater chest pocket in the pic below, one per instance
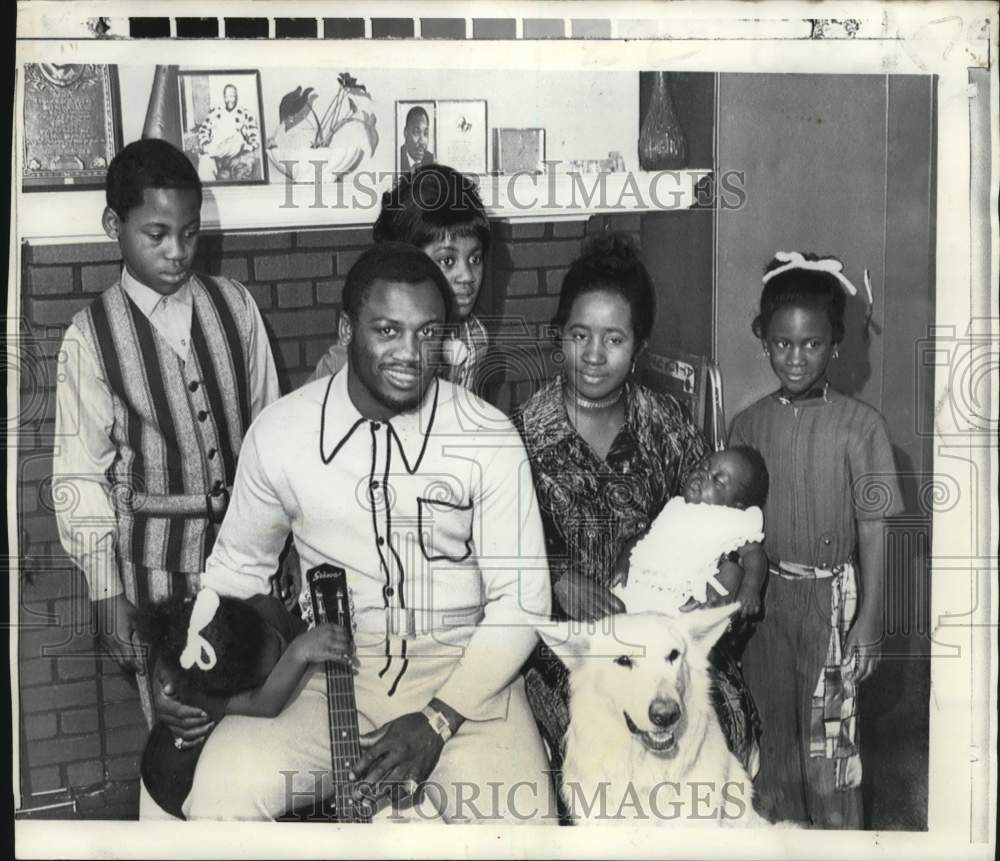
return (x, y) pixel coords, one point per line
(445, 530)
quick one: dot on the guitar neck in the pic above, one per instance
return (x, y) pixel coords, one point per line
(331, 603)
(345, 741)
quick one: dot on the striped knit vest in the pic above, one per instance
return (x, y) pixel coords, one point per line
(178, 425)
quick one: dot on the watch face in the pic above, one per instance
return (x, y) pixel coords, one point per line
(439, 723)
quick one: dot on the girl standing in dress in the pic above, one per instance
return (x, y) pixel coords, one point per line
(832, 484)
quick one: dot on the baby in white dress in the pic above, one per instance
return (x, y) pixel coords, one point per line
(704, 547)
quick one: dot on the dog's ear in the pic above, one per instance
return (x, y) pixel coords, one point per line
(707, 625)
(566, 639)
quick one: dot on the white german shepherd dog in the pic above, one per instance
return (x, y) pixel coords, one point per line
(644, 743)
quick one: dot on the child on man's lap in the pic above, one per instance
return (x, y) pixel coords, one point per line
(228, 657)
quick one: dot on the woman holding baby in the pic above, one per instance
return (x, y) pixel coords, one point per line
(606, 455)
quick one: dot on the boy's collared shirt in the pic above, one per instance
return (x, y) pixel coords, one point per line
(169, 315)
(84, 449)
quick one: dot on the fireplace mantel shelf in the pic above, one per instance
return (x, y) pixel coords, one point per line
(355, 202)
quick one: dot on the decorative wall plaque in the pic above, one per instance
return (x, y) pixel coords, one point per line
(72, 125)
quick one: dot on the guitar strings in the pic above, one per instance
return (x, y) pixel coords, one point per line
(345, 748)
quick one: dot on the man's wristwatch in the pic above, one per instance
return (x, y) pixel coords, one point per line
(439, 723)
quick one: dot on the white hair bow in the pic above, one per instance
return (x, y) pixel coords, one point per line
(198, 650)
(794, 260)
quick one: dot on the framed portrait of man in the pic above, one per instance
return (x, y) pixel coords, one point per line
(416, 134)
(222, 125)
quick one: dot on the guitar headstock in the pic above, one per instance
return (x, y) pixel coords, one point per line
(331, 599)
(331, 603)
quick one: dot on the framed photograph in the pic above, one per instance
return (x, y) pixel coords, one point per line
(221, 125)
(72, 125)
(461, 137)
(518, 150)
(416, 134)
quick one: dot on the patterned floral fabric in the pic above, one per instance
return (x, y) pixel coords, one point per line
(592, 507)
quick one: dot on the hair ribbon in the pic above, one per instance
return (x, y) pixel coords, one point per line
(830, 265)
(198, 650)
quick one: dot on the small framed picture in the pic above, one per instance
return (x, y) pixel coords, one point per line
(461, 134)
(222, 125)
(416, 134)
(519, 150)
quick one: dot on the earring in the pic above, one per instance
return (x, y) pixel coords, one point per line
(836, 352)
(767, 353)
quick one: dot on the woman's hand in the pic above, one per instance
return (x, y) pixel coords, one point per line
(325, 642)
(584, 600)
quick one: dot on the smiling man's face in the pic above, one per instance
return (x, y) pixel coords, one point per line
(399, 327)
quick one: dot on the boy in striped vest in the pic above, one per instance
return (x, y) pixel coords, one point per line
(164, 372)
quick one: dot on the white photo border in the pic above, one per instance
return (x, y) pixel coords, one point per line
(945, 39)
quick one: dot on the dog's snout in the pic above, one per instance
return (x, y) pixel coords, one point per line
(664, 713)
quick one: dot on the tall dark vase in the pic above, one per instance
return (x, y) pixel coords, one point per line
(163, 118)
(662, 145)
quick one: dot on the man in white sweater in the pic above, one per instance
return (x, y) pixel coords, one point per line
(421, 492)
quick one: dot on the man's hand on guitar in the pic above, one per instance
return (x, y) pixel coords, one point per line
(400, 756)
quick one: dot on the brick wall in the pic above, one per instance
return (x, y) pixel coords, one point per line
(82, 728)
